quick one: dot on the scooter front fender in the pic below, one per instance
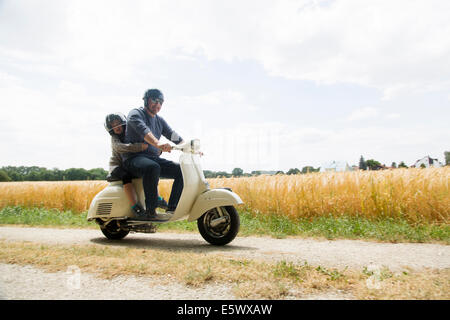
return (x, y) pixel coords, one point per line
(213, 198)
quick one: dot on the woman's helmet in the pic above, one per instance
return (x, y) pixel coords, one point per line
(153, 94)
(114, 116)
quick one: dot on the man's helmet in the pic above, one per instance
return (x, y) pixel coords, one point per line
(153, 94)
(114, 116)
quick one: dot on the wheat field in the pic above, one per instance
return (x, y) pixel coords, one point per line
(414, 194)
(418, 195)
(61, 195)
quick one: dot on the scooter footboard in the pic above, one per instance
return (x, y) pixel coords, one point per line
(213, 198)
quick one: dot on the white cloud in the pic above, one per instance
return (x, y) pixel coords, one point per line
(363, 113)
(8, 79)
(392, 116)
(54, 55)
(228, 101)
(396, 46)
(32, 26)
(59, 127)
(277, 146)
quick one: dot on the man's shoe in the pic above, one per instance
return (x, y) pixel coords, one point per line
(153, 216)
(162, 203)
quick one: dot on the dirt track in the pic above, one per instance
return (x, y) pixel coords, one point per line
(336, 254)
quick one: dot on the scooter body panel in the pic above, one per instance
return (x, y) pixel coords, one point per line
(213, 198)
(112, 201)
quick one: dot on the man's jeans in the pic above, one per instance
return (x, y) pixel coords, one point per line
(150, 169)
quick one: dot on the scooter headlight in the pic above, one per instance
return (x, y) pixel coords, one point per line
(195, 145)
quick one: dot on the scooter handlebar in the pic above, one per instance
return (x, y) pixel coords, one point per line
(175, 147)
(192, 146)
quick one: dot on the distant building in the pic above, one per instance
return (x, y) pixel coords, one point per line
(337, 166)
(268, 172)
(427, 162)
(261, 172)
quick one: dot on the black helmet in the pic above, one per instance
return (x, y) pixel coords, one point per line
(114, 116)
(153, 94)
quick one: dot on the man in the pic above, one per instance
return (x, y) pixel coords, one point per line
(144, 125)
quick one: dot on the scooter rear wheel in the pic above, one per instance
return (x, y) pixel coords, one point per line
(219, 226)
(113, 231)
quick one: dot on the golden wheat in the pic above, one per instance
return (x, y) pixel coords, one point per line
(414, 194)
(62, 195)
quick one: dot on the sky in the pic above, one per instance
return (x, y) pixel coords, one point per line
(264, 85)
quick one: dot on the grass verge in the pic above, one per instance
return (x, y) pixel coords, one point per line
(43, 217)
(346, 227)
(248, 279)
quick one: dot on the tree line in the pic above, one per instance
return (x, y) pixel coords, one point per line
(238, 172)
(372, 164)
(34, 173)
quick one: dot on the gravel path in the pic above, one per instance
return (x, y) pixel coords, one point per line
(30, 283)
(18, 282)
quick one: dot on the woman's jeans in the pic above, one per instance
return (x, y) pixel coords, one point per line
(150, 169)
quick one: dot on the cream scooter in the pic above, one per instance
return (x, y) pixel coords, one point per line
(217, 218)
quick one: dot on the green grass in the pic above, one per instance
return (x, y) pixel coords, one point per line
(43, 217)
(346, 227)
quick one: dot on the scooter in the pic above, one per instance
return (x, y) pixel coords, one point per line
(214, 209)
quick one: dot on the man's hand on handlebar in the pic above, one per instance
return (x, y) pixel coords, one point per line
(165, 147)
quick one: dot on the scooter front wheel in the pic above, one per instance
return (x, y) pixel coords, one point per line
(219, 226)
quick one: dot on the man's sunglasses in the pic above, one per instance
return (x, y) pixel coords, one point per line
(158, 100)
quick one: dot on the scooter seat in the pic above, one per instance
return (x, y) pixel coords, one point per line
(110, 178)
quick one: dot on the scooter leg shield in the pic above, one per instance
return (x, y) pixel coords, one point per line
(212, 199)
